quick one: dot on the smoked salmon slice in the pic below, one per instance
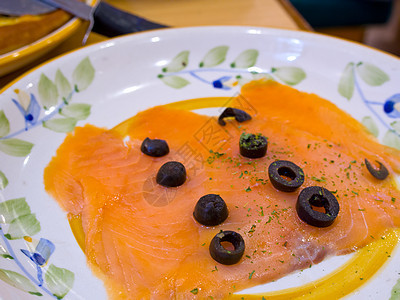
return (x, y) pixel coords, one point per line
(142, 239)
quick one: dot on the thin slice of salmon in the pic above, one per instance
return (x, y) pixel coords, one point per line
(142, 237)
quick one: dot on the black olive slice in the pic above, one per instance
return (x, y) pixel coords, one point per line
(240, 115)
(222, 255)
(319, 197)
(171, 174)
(253, 145)
(210, 210)
(285, 175)
(155, 147)
(381, 173)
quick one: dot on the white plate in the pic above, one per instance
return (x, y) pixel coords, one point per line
(120, 77)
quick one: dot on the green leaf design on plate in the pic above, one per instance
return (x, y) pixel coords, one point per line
(395, 294)
(396, 126)
(289, 75)
(12, 209)
(63, 85)
(3, 181)
(4, 253)
(214, 57)
(4, 124)
(176, 82)
(346, 82)
(59, 281)
(18, 281)
(22, 226)
(15, 147)
(371, 74)
(48, 92)
(61, 124)
(83, 74)
(246, 59)
(370, 124)
(391, 139)
(178, 63)
(79, 111)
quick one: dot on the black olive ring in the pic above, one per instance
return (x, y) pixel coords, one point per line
(280, 168)
(381, 173)
(253, 145)
(238, 114)
(155, 147)
(319, 197)
(171, 174)
(222, 255)
(210, 210)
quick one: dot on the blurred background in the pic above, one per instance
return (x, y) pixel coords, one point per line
(372, 22)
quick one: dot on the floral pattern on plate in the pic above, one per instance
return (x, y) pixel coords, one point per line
(17, 222)
(52, 107)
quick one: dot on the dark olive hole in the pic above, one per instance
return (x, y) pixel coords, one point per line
(287, 173)
(319, 209)
(319, 203)
(227, 245)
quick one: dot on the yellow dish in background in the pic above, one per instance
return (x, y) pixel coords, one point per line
(26, 38)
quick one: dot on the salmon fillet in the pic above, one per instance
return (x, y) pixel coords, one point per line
(142, 237)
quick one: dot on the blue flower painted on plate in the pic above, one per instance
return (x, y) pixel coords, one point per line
(17, 222)
(243, 68)
(31, 111)
(42, 252)
(362, 72)
(392, 106)
(51, 108)
(220, 83)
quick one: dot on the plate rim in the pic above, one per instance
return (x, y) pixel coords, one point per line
(300, 33)
(128, 39)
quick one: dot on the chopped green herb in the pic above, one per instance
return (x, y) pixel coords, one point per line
(262, 211)
(248, 189)
(322, 179)
(251, 274)
(252, 229)
(194, 291)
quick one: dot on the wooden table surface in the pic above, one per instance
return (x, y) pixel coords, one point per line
(182, 13)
